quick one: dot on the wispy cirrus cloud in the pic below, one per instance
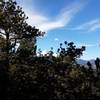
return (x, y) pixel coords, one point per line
(90, 26)
(63, 18)
(88, 45)
(45, 23)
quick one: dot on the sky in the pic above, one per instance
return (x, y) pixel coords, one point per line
(75, 21)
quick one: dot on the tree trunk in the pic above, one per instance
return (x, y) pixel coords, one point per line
(5, 77)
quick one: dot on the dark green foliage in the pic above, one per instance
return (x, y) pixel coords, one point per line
(13, 25)
(70, 52)
(13, 28)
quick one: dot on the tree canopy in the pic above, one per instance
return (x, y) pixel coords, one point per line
(14, 26)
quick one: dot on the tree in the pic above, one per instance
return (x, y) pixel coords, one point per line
(70, 53)
(13, 25)
(27, 48)
(2, 48)
(14, 28)
(97, 63)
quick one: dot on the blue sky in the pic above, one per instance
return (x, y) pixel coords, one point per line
(71, 20)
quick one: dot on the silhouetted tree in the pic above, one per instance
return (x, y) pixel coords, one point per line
(89, 64)
(13, 28)
(13, 25)
(70, 52)
(97, 63)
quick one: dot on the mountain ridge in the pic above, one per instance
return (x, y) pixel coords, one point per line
(83, 62)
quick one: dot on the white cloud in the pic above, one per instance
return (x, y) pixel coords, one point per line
(55, 54)
(46, 24)
(88, 45)
(62, 19)
(91, 45)
(95, 27)
(92, 25)
(56, 39)
(35, 18)
(44, 52)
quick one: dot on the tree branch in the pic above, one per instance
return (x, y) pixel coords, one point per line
(2, 33)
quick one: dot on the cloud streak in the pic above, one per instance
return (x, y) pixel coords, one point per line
(90, 26)
(88, 45)
(61, 20)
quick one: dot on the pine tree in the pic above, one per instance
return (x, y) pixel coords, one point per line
(13, 28)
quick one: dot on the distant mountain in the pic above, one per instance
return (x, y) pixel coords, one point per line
(84, 62)
(92, 61)
(81, 61)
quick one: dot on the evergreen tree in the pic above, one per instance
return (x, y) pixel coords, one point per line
(70, 52)
(13, 25)
(13, 28)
